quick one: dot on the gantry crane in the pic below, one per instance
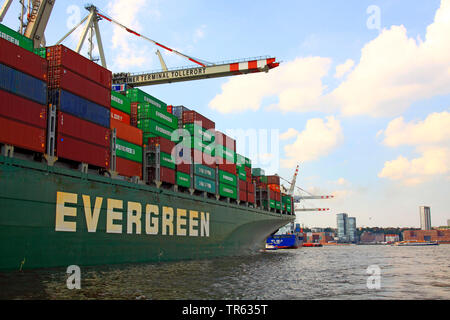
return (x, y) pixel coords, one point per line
(39, 14)
(298, 199)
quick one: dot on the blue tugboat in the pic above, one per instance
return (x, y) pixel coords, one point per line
(285, 240)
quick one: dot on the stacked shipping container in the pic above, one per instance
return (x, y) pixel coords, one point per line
(197, 143)
(80, 90)
(23, 93)
(88, 112)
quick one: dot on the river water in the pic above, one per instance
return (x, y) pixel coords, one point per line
(330, 272)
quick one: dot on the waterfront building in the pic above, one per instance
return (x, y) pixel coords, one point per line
(448, 222)
(441, 236)
(425, 218)
(342, 226)
(319, 237)
(351, 229)
(370, 237)
(392, 237)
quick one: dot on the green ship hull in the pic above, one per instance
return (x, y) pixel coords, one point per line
(56, 217)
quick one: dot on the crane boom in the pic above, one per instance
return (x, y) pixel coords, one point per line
(313, 209)
(196, 73)
(294, 180)
(37, 21)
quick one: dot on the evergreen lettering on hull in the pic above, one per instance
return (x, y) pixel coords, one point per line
(128, 217)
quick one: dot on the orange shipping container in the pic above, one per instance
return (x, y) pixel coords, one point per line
(120, 116)
(274, 187)
(126, 132)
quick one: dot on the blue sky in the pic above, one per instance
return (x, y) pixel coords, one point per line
(376, 136)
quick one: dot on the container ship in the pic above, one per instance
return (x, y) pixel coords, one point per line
(91, 174)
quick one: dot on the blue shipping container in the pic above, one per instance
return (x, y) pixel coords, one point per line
(80, 107)
(23, 85)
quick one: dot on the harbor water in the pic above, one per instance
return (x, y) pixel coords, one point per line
(329, 272)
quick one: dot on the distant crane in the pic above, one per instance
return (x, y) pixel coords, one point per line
(297, 199)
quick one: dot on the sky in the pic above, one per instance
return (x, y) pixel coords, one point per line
(361, 100)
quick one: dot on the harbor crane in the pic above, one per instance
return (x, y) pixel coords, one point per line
(39, 14)
(298, 199)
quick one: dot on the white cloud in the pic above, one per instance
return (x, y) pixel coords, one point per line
(297, 84)
(434, 129)
(318, 139)
(131, 51)
(434, 161)
(199, 33)
(393, 72)
(344, 68)
(431, 139)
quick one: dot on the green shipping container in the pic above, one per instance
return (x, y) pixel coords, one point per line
(227, 178)
(148, 111)
(137, 95)
(248, 162)
(286, 199)
(258, 172)
(166, 160)
(272, 204)
(278, 205)
(242, 174)
(288, 208)
(225, 153)
(128, 151)
(197, 131)
(183, 180)
(227, 191)
(42, 52)
(120, 102)
(16, 38)
(155, 128)
(239, 160)
(203, 184)
(204, 171)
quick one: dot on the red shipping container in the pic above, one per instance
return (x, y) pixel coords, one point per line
(277, 196)
(127, 132)
(23, 60)
(251, 197)
(273, 180)
(23, 110)
(166, 175)
(59, 77)
(250, 187)
(80, 151)
(230, 168)
(133, 114)
(195, 117)
(224, 140)
(86, 131)
(62, 56)
(22, 135)
(120, 116)
(128, 168)
(272, 195)
(242, 185)
(184, 167)
(164, 144)
(243, 195)
(169, 109)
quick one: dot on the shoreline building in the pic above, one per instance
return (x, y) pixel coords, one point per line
(346, 228)
(425, 218)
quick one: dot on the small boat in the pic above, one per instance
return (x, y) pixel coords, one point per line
(415, 243)
(312, 245)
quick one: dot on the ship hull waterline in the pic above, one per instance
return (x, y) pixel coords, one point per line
(57, 217)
